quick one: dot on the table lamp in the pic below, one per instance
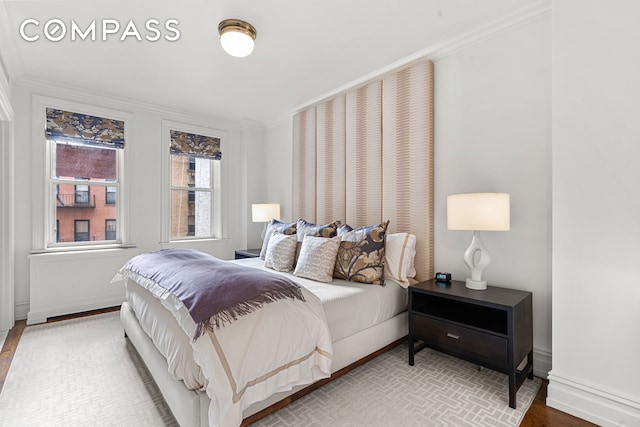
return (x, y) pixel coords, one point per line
(264, 212)
(478, 212)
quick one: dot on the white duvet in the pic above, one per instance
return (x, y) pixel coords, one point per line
(284, 344)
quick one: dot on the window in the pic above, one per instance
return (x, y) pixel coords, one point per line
(110, 229)
(194, 186)
(110, 196)
(85, 157)
(81, 230)
(192, 226)
(82, 194)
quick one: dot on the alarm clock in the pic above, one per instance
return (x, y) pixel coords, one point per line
(443, 277)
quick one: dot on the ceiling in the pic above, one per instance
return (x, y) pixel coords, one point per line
(304, 49)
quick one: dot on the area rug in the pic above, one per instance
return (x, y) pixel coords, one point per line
(439, 390)
(83, 372)
(80, 372)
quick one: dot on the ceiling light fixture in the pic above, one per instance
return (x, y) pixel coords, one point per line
(237, 37)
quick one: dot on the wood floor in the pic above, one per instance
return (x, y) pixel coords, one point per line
(538, 415)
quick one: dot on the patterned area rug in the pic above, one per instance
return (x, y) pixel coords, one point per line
(439, 390)
(80, 372)
(83, 372)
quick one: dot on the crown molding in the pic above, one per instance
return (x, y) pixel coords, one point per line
(445, 48)
(249, 124)
(63, 91)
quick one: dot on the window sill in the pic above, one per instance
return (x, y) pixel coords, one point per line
(196, 240)
(81, 249)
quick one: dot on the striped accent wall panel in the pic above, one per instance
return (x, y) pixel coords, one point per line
(408, 170)
(364, 155)
(367, 156)
(304, 166)
(330, 185)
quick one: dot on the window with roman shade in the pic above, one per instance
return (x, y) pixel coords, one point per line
(85, 157)
(194, 185)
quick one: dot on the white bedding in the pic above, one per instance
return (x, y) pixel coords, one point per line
(349, 307)
(167, 336)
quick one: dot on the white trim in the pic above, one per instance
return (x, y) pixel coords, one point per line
(7, 234)
(443, 49)
(218, 193)
(3, 337)
(6, 110)
(7, 177)
(22, 310)
(541, 363)
(89, 97)
(591, 403)
(40, 183)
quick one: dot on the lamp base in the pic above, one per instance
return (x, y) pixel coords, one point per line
(264, 231)
(476, 285)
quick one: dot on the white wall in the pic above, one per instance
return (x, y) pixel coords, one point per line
(492, 133)
(144, 182)
(596, 211)
(279, 166)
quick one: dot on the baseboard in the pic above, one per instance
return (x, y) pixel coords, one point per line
(41, 316)
(541, 363)
(590, 403)
(3, 336)
(22, 310)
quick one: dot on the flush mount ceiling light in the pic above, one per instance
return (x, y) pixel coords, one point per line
(237, 37)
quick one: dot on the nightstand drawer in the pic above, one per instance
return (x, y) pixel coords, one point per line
(460, 340)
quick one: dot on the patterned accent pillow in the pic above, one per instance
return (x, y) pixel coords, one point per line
(361, 254)
(317, 258)
(305, 228)
(275, 225)
(281, 252)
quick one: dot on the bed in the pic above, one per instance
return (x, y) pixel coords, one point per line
(360, 318)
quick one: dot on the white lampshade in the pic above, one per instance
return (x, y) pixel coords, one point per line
(478, 212)
(237, 37)
(263, 212)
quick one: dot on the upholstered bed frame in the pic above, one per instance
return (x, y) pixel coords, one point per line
(190, 407)
(363, 156)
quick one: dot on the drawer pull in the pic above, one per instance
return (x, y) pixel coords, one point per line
(455, 337)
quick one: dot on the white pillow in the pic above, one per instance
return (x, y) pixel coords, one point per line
(400, 250)
(317, 258)
(281, 252)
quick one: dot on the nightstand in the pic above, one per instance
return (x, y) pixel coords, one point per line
(247, 253)
(491, 328)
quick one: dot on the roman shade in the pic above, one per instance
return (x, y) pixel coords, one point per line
(191, 144)
(73, 161)
(84, 129)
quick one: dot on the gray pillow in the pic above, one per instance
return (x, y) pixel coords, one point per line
(281, 252)
(317, 258)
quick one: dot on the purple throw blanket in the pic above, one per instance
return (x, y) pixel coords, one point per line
(214, 292)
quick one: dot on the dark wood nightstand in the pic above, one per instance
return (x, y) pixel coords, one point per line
(247, 253)
(492, 328)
